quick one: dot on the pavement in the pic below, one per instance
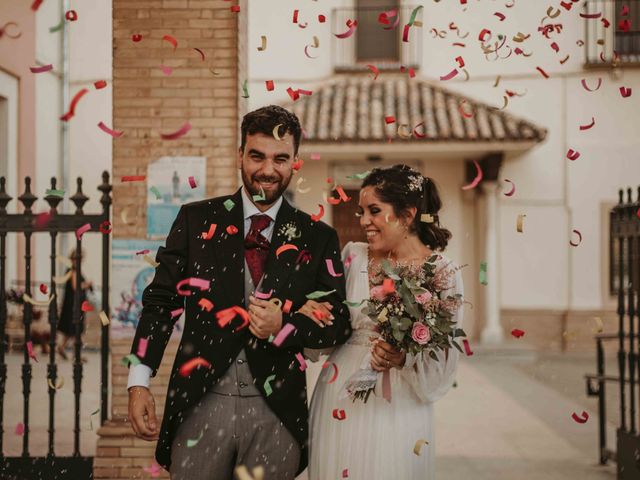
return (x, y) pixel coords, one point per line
(509, 417)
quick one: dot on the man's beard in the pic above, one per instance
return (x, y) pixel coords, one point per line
(269, 196)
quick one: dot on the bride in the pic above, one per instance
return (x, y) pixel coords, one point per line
(375, 440)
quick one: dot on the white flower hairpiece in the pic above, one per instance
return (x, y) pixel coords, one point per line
(415, 182)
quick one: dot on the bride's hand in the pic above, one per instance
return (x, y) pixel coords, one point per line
(384, 356)
(320, 313)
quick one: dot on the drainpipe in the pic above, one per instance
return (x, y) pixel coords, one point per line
(64, 161)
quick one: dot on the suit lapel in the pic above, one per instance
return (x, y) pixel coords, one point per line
(229, 252)
(277, 271)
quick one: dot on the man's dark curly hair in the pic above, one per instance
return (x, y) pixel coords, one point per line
(265, 119)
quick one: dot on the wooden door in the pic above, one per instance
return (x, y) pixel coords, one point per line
(345, 221)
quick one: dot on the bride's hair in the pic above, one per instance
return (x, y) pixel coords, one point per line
(403, 187)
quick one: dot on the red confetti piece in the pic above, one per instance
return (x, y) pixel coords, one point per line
(580, 419)
(625, 11)
(36, 5)
(462, 111)
(20, 426)
(205, 304)
(283, 248)
(335, 371)
(105, 227)
(262, 295)
(516, 332)
(591, 15)
(384, 19)
(575, 244)
(30, 351)
(322, 18)
(625, 92)
(388, 286)
(405, 33)
(100, 84)
(177, 312)
(295, 16)
(449, 75)
(42, 69)
(415, 131)
(232, 229)
(86, 306)
(225, 316)
(411, 70)
(297, 165)
(72, 108)
(270, 85)
(573, 154)
(171, 40)
(512, 190)
(330, 268)
(235, 8)
(460, 61)
(42, 220)
(389, 119)
(500, 16)
(345, 473)
(375, 71)
(81, 231)
(142, 347)
(143, 252)
(113, 133)
(200, 283)
(136, 37)
(339, 414)
(284, 332)
(483, 33)
(201, 53)
(352, 28)
(586, 87)
(71, 15)
(467, 348)
(555, 47)
(317, 217)
(133, 178)
(43, 288)
(587, 127)
(542, 72)
(192, 182)
(187, 367)
(209, 234)
(178, 133)
(477, 179)
(458, 44)
(286, 308)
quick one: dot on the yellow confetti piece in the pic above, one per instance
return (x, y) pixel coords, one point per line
(404, 134)
(299, 189)
(263, 44)
(38, 303)
(243, 473)
(418, 446)
(150, 261)
(276, 131)
(426, 218)
(599, 325)
(104, 318)
(520, 223)
(124, 216)
(59, 385)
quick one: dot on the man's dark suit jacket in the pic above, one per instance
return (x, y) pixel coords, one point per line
(221, 260)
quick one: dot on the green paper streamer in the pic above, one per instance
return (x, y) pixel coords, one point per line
(57, 28)
(360, 176)
(354, 304)
(156, 192)
(54, 192)
(130, 359)
(90, 418)
(228, 204)
(319, 294)
(261, 197)
(245, 90)
(414, 14)
(483, 273)
(271, 338)
(267, 387)
(191, 442)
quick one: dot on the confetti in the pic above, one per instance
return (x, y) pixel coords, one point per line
(205, 304)
(187, 367)
(330, 268)
(104, 318)
(257, 473)
(105, 227)
(317, 217)
(235, 8)
(100, 84)
(178, 133)
(142, 347)
(193, 442)
(263, 44)
(82, 230)
(283, 248)
(542, 72)
(301, 361)
(113, 133)
(74, 102)
(389, 119)
(261, 197)
(449, 75)
(225, 316)
(477, 179)
(232, 229)
(209, 234)
(19, 430)
(586, 87)
(130, 359)
(71, 15)
(415, 131)
(339, 414)
(30, 351)
(43, 289)
(575, 244)
(171, 40)
(54, 192)
(599, 325)
(625, 92)
(345, 473)
(483, 273)
(264, 296)
(245, 89)
(284, 332)
(192, 182)
(133, 178)
(276, 132)
(318, 294)
(587, 127)
(467, 348)
(580, 419)
(418, 446)
(462, 111)
(42, 69)
(520, 223)
(375, 71)
(228, 204)
(166, 70)
(177, 312)
(352, 28)
(516, 332)
(267, 386)
(86, 306)
(286, 308)
(299, 189)
(156, 192)
(151, 261)
(335, 371)
(154, 469)
(573, 154)
(270, 85)
(199, 283)
(136, 37)
(512, 190)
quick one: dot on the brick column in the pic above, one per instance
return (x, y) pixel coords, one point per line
(146, 103)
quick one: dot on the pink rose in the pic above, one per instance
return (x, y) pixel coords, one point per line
(420, 333)
(378, 293)
(424, 298)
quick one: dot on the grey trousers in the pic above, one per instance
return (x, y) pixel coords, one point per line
(232, 431)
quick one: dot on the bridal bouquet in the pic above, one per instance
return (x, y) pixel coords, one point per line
(407, 305)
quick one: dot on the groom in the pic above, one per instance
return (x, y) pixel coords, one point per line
(245, 402)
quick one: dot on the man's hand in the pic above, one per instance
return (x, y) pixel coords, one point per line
(265, 318)
(142, 414)
(384, 356)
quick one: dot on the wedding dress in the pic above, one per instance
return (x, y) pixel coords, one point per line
(376, 440)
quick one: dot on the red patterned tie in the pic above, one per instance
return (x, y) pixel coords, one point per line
(256, 247)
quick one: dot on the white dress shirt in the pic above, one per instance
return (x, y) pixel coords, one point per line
(140, 374)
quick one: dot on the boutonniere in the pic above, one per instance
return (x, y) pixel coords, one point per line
(289, 231)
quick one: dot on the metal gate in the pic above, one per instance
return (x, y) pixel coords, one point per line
(624, 281)
(52, 222)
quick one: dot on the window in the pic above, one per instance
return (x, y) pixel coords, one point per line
(373, 42)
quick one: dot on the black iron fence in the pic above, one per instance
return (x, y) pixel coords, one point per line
(612, 32)
(624, 248)
(54, 223)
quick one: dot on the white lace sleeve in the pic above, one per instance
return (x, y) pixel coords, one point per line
(431, 379)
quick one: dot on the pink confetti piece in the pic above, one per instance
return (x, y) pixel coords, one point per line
(573, 154)
(113, 133)
(331, 269)
(142, 347)
(449, 75)
(375, 71)
(19, 428)
(283, 334)
(192, 182)
(154, 469)
(262, 295)
(74, 102)
(82, 230)
(303, 363)
(30, 351)
(477, 179)
(42, 69)
(586, 87)
(512, 190)
(348, 260)
(199, 283)
(352, 28)
(143, 252)
(178, 133)
(171, 40)
(177, 312)
(166, 70)
(345, 473)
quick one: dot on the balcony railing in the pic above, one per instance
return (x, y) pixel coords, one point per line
(614, 37)
(371, 43)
